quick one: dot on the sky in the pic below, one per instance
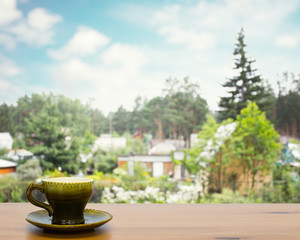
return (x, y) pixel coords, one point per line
(106, 53)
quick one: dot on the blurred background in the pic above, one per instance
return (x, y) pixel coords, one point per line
(158, 101)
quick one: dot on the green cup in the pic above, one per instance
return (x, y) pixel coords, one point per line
(67, 198)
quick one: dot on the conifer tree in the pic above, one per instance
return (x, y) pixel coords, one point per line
(46, 138)
(245, 87)
(6, 120)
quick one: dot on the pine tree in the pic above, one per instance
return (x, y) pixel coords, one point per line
(46, 138)
(245, 87)
(6, 120)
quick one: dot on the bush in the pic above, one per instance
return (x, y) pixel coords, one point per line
(55, 173)
(30, 170)
(11, 189)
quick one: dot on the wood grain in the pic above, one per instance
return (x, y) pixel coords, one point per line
(168, 221)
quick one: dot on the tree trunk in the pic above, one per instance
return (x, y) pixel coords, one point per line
(160, 132)
(253, 180)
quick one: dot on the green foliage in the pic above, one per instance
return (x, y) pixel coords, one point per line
(12, 189)
(285, 189)
(46, 138)
(135, 146)
(288, 107)
(255, 143)
(17, 194)
(207, 134)
(120, 120)
(88, 142)
(74, 115)
(3, 152)
(55, 173)
(30, 170)
(227, 196)
(212, 149)
(6, 119)
(165, 183)
(105, 161)
(245, 87)
(186, 109)
(139, 180)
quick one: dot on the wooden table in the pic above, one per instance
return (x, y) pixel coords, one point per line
(168, 221)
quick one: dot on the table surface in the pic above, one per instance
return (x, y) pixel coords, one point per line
(167, 221)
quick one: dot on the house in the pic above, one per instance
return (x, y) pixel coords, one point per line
(138, 135)
(7, 167)
(158, 161)
(107, 142)
(193, 139)
(6, 140)
(157, 164)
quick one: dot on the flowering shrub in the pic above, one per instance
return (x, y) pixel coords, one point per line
(186, 194)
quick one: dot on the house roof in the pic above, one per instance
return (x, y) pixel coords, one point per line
(7, 164)
(145, 158)
(5, 135)
(162, 148)
(295, 150)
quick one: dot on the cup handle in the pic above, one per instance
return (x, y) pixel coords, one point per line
(35, 202)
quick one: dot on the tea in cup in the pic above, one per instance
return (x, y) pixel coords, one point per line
(67, 198)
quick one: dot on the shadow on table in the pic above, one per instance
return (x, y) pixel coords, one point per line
(102, 233)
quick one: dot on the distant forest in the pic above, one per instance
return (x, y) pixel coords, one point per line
(178, 112)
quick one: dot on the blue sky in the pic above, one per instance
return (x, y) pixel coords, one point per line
(109, 52)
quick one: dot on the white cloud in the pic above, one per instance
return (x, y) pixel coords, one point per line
(9, 93)
(69, 74)
(86, 41)
(36, 29)
(127, 57)
(41, 19)
(7, 41)
(205, 25)
(190, 38)
(118, 65)
(112, 76)
(8, 11)
(287, 41)
(24, 33)
(8, 68)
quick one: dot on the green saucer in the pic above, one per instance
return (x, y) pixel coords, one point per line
(93, 218)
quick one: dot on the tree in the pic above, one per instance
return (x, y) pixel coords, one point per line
(6, 119)
(255, 143)
(74, 115)
(138, 119)
(288, 106)
(212, 148)
(100, 123)
(120, 120)
(186, 110)
(155, 111)
(29, 105)
(247, 86)
(46, 138)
